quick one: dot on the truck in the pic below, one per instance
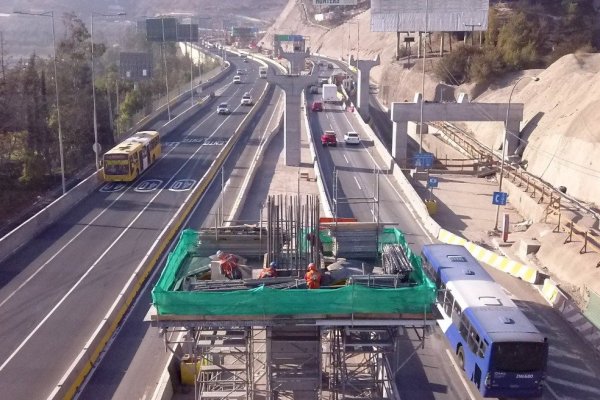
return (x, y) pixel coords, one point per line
(262, 72)
(330, 93)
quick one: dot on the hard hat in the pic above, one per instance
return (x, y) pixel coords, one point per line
(219, 253)
(312, 267)
(273, 264)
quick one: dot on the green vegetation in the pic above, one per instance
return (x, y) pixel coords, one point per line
(530, 36)
(29, 150)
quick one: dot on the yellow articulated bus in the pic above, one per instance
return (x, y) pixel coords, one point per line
(127, 160)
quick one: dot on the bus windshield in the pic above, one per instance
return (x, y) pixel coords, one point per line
(519, 356)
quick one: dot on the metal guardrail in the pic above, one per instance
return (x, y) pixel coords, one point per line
(557, 204)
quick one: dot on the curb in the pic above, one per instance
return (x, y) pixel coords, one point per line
(514, 268)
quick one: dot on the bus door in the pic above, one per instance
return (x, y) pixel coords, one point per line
(145, 155)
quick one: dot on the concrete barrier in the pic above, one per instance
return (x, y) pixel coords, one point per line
(323, 192)
(254, 167)
(25, 232)
(514, 268)
(82, 365)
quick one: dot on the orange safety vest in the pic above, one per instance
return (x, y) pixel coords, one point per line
(313, 279)
(228, 265)
(268, 273)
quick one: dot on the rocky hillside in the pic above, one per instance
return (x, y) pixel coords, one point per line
(561, 126)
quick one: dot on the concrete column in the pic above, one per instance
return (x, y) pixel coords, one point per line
(400, 142)
(512, 138)
(362, 96)
(293, 85)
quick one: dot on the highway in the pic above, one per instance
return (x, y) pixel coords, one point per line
(133, 363)
(56, 290)
(573, 370)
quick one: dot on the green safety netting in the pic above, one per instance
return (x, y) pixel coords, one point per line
(350, 299)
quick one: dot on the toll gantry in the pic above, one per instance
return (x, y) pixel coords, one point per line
(274, 338)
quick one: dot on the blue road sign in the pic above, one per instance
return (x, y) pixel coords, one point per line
(499, 198)
(432, 182)
(423, 160)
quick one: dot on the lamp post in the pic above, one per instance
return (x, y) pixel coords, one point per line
(60, 143)
(96, 144)
(505, 141)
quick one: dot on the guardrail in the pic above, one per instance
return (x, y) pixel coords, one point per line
(556, 204)
(82, 365)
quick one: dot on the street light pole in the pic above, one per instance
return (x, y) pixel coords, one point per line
(505, 141)
(60, 141)
(96, 144)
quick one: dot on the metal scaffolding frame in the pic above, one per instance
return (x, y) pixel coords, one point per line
(318, 359)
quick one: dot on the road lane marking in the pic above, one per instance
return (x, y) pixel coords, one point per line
(574, 385)
(346, 158)
(460, 373)
(43, 266)
(357, 184)
(93, 266)
(570, 368)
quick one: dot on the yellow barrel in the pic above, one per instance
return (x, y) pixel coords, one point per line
(431, 206)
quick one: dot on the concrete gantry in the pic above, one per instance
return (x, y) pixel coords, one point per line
(364, 70)
(463, 110)
(292, 84)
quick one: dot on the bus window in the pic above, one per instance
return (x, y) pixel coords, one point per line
(448, 303)
(519, 357)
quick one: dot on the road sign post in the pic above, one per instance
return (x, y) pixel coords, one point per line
(499, 198)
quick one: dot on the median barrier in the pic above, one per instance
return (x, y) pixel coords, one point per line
(323, 194)
(25, 232)
(254, 167)
(81, 366)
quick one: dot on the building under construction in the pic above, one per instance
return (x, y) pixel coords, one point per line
(274, 338)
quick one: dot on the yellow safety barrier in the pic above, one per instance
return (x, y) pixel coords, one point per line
(514, 268)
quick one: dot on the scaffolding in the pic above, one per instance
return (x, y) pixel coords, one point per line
(273, 339)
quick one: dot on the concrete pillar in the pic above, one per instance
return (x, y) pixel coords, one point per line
(512, 138)
(292, 84)
(362, 96)
(400, 142)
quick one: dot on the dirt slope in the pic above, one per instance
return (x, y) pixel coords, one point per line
(562, 121)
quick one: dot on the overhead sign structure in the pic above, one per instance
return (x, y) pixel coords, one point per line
(187, 32)
(499, 198)
(135, 66)
(429, 16)
(289, 38)
(161, 29)
(335, 2)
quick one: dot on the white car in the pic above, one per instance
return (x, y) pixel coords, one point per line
(247, 99)
(223, 108)
(352, 138)
(237, 79)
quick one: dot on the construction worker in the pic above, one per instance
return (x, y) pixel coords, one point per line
(312, 277)
(269, 271)
(228, 265)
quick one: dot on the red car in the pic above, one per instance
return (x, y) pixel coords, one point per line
(328, 138)
(316, 106)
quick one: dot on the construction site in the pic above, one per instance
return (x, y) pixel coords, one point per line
(236, 306)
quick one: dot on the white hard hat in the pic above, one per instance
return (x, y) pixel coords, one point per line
(219, 252)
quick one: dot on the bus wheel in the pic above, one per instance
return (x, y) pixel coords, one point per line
(461, 358)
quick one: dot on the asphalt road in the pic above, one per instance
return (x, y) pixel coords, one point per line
(56, 290)
(573, 368)
(133, 363)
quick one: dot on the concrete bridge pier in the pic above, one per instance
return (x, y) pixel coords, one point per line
(362, 96)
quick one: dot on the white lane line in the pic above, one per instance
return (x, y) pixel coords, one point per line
(460, 374)
(346, 158)
(548, 388)
(574, 385)
(357, 184)
(92, 267)
(59, 251)
(409, 208)
(570, 368)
